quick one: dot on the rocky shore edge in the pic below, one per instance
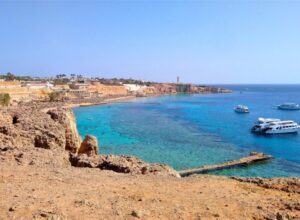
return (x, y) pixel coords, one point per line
(29, 135)
(35, 136)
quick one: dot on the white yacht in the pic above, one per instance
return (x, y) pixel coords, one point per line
(263, 123)
(275, 126)
(289, 106)
(241, 109)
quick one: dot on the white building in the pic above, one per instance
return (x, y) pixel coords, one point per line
(133, 87)
(39, 85)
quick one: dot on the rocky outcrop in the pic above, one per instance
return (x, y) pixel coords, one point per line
(122, 164)
(89, 146)
(133, 165)
(207, 89)
(83, 160)
(171, 88)
(27, 127)
(26, 130)
(291, 185)
(66, 118)
(21, 128)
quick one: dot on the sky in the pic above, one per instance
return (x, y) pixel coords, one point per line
(199, 41)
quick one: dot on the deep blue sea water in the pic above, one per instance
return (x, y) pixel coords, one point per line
(187, 131)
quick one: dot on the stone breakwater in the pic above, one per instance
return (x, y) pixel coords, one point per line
(31, 136)
(48, 172)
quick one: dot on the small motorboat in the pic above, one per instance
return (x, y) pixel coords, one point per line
(241, 109)
(289, 106)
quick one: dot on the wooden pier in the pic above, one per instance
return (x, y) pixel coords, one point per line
(244, 161)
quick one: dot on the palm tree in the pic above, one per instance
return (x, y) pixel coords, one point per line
(10, 77)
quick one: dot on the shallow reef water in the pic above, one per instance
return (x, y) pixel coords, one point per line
(186, 131)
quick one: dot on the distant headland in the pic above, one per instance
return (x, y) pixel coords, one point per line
(78, 89)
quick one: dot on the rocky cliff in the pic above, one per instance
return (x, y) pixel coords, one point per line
(107, 89)
(31, 136)
(40, 138)
(30, 127)
(66, 118)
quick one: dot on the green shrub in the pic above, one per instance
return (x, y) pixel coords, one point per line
(53, 96)
(5, 99)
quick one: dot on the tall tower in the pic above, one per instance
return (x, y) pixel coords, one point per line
(177, 79)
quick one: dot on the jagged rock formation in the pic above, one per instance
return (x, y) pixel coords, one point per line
(20, 129)
(133, 165)
(89, 146)
(122, 164)
(66, 118)
(33, 128)
(83, 160)
(26, 131)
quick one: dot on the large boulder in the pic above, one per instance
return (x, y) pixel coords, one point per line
(89, 146)
(83, 160)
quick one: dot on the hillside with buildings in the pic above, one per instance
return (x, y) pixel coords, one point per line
(76, 88)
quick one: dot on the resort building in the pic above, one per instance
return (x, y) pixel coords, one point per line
(132, 87)
(37, 85)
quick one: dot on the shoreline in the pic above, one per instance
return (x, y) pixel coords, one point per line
(169, 96)
(122, 99)
(104, 102)
(107, 101)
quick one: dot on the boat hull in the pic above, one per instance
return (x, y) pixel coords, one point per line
(288, 109)
(287, 131)
(256, 129)
(242, 111)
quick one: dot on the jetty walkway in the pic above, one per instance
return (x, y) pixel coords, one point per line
(244, 161)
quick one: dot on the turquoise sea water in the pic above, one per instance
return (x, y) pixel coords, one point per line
(187, 131)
